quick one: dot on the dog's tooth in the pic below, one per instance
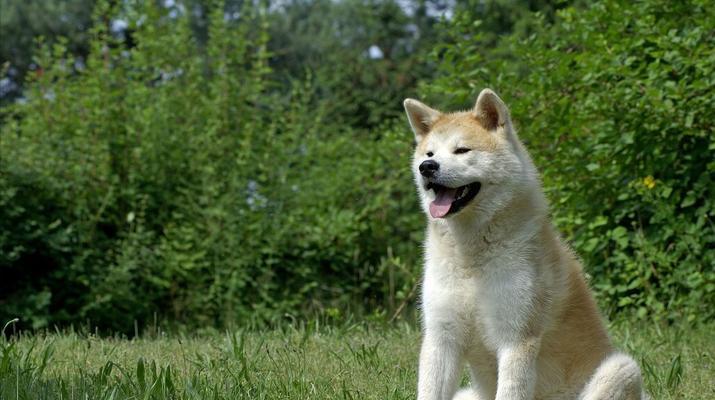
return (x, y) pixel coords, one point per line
(462, 192)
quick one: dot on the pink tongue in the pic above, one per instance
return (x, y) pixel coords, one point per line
(441, 205)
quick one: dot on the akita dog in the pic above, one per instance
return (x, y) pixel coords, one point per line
(502, 292)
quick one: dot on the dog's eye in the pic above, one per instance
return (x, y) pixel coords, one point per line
(461, 150)
(430, 154)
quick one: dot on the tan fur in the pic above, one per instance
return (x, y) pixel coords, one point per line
(475, 136)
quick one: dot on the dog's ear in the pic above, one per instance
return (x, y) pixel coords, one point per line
(421, 117)
(490, 110)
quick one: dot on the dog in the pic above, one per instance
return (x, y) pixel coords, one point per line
(502, 292)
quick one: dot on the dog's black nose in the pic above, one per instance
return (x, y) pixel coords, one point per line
(429, 167)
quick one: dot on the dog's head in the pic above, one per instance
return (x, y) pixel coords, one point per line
(469, 161)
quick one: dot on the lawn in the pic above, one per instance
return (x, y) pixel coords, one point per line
(356, 361)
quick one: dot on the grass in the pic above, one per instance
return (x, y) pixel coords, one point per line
(358, 361)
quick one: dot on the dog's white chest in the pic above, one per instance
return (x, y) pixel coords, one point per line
(451, 298)
(476, 299)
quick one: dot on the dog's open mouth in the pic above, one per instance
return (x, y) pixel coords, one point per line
(451, 200)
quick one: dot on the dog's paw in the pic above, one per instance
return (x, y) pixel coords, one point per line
(465, 394)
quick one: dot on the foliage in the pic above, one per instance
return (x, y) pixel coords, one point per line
(162, 181)
(293, 361)
(371, 52)
(223, 163)
(618, 114)
(22, 21)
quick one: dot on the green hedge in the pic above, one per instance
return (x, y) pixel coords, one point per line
(173, 180)
(180, 180)
(616, 104)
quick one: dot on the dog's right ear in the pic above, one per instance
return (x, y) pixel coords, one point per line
(421, 117)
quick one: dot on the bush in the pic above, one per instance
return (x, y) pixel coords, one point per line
(182, 179)
(615, 102)
(173, 179)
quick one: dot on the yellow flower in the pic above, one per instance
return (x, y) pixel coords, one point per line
(649, 182)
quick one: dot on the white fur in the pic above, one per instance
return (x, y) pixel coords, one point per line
(618, 377)
(495, 286)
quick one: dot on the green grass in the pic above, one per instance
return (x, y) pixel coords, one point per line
(358, 361)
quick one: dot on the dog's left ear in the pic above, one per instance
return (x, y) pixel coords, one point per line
(490, 110)
(421, 117)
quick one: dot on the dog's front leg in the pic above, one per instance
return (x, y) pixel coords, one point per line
(440, 365)
(517, 370)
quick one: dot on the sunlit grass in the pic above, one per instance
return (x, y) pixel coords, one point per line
(357, 361)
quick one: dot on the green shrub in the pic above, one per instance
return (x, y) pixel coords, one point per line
(174, 180)
(615, 102)
(184, 180)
